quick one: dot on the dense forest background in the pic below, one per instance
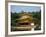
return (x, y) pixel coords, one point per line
(35, 15)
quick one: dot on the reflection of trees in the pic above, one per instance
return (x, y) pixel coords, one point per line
(36, 18)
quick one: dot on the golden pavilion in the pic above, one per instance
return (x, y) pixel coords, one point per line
(24, 22)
